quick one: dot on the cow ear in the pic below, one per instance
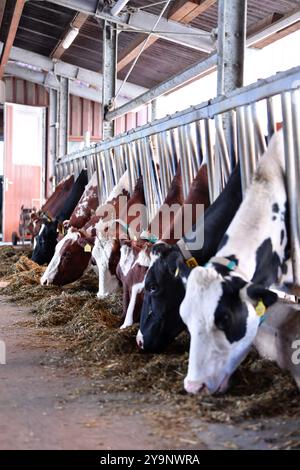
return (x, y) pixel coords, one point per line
(257, 293)
(86, 242)
(161, 249)
(177, 266)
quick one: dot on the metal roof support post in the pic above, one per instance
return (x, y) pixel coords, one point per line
(231, 54)
(153, 110)
(52, 139)
(63, 117)
(109, 67)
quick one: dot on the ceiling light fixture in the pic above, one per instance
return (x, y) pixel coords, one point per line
(73, 32)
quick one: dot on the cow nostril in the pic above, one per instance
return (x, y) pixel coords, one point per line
(140, 344)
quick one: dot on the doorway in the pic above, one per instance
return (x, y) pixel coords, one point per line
(24, 151)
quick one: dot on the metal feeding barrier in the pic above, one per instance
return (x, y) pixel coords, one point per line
(197, 135)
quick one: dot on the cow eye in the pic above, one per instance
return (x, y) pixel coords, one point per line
(223, 322)
(151, 288)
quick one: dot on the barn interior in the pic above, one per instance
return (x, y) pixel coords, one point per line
(80, 84)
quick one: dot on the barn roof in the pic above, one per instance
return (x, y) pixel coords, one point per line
(43, 25)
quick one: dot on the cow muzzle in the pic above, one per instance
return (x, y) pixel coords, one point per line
(140, 340)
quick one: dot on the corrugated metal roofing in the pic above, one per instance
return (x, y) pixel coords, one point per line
(43, 24)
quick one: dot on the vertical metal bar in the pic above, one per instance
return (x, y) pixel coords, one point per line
(174, 148)
(52, 132)
(58, 173)
(242, 146)
(250, 141)
(222, 147)
(99, 177)
(234, 137)
(192, 159)
(148, 182)
(63, 116)
(109, 71)
(142, 159)
(153, 110)
(183, 160)
(129, 168)
(259, 136)
(199, 151)
(162, 166)
(271, 117)
(232, 16)
(209, 160)
(154, 174)
(291, 181)
(168, 158)
(89, 166)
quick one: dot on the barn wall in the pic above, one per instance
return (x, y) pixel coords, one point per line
(85, 115)
(22, 92)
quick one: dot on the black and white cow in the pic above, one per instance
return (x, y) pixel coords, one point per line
(160, 321)
(225, 300)
(46, 240)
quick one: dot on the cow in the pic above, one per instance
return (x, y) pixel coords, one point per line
(106, 251)
(160, 321)
(72, 255)
(55, 203)
(135, 257)
(87, 205)
(133, 280)
(46, 239)
(225, 301)
(52, 207)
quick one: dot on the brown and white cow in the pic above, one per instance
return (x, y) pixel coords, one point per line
(73, 253)
(52, 207)
(135, 258)
(106, 251)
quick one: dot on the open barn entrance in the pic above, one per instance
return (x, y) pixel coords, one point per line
(24, 150)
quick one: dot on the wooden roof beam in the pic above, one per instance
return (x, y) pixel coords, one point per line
(186, 11)
(15, 20)
(77, 22)
(183, 11)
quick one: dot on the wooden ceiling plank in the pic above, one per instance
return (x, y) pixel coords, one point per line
(200, 8)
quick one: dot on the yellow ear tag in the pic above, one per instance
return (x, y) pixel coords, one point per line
(260, 308)
(177, 272)
(191, 263)
(87, 248)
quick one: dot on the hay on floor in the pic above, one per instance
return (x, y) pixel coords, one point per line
(9, 256)
(90, 329)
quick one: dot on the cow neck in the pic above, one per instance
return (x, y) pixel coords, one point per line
(228, 263)
(190, 261)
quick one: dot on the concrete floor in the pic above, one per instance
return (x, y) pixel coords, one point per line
(43, 406)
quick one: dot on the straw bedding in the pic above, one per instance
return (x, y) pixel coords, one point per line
(90, 328)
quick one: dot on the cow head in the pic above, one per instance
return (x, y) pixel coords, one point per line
(164, 291)
(71, 258)
(45, 242)
(221, 313)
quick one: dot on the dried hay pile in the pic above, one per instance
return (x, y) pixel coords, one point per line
(90, 328)
(10, 255)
